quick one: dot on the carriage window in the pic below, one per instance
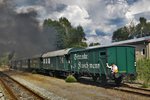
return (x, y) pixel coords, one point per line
(43, 61)
(143, 52)
(62, 60)
(49, 61)
(46, 61)
(103, 53)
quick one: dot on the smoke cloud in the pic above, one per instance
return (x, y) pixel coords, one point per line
(20, 31)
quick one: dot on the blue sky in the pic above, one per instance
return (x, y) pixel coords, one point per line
(99, 18)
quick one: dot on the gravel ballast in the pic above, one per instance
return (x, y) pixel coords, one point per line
(47, 94)
(58, 89)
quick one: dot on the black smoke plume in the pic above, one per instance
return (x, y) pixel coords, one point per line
(21, 33)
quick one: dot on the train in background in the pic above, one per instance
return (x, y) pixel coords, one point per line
(89, 61)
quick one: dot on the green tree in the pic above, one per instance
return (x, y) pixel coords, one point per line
(6, 58)
(140, 30)
(94, 44)
(68, 36)
(143, 28)
(142, 21)
(120, 34)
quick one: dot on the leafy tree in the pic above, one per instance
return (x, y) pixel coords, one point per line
(143, 28)
(6, 58)
(120, 34)
(64, 22)
(140, 27)
(140, 30)
(131, 30)
(94, 44)
(68, 36)
(142, 21)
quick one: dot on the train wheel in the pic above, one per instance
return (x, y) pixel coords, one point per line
(103, 79)
(76, 76)
(51, 74)
(94, 77)
(56, 74)
(118, 80)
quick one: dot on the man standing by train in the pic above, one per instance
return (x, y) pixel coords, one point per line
(113, 68)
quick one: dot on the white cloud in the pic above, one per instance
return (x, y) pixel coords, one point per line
(42, 14)
(100, 39)
(142, 6)
(1, 1)
(75, 14)
(116, 10)
(26, 9)
(93, 14)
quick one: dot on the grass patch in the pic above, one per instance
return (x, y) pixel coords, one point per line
(145, 85)
(71, 79)
(34, 72)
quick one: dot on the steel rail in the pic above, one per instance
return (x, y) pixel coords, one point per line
(9, 91)
(133, 90)
(23, 86)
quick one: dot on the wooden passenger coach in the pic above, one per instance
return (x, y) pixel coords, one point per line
(92, 61)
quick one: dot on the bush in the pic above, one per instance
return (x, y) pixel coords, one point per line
(34, 72)
(70, 79)
(4, 60)
(145, 85)
(143, 70)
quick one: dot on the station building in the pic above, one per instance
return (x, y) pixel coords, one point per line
(142, 46)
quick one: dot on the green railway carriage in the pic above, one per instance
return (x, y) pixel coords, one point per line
(18, 64)
(28, 64)
(124, 58)
(35, 63)
(24, 64)
(89, 61)
(56, 61)
(92, 61)
(13, 64)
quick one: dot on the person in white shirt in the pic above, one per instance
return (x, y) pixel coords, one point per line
(113, 68)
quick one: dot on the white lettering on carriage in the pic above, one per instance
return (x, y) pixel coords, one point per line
(79, 57)
(87, 65)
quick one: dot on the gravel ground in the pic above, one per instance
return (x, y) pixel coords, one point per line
(58, 89)
(2, 95)
(42, 91)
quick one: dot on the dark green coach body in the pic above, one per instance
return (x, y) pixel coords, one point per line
(123, 57)
(57, 60)
(93, 60)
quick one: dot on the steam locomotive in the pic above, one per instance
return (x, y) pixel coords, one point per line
(89, 61)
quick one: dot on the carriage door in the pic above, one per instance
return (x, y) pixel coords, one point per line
(102, 61)
(117, 56)
(130, 60)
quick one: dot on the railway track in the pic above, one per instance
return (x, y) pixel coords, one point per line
(2, 96)
(134, 90)
(18, 91)
(124, 87)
